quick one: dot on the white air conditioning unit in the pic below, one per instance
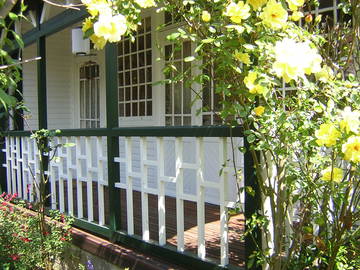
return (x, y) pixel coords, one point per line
(80, 46)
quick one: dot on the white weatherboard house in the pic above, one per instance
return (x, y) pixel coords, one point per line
(145, 164)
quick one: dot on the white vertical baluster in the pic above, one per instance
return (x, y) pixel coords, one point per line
(33, 175)
(18, 167)
(61, 193)
(80, 213)
(89, 190)
(161, 190)
(8, 164)
(37, 179)
(61, 179)
(24, 152)
(129, 184)
(224, 238)
(144, 195)
(101, 178)
(52, 186)
(13, 166)
(200, 197)
(179, 192)
(70, 177)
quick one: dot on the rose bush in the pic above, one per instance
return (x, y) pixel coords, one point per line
(22, 244)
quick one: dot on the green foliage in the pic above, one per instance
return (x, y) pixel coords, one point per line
(22, 244)
(10, 70)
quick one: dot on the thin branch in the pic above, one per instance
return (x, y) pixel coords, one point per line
(21, 62)
(70, 6)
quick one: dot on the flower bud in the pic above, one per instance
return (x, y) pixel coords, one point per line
(206, 17)
(308, 18)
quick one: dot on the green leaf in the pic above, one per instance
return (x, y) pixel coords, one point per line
(250, 191)
(207, 40)
(7, 100)
(13, 16)
(18, 39)
(189, 59)
(251, 138)
(173, 36)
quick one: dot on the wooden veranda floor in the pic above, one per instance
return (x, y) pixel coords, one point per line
(212, 226)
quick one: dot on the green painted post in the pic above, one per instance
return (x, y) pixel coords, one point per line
(3, 182)
(41, 80)
(252, 205)
(112, 118)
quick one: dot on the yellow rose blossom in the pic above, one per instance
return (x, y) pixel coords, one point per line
(297, 15)
(99, 42)
(327, 135)
(350, 120)
(237, 12)
(259, 110)
(250, 79)
(258, 90)
(110, 28)
(98, 7)
(332, 174)
(87, 24)
(205, 16)
(256, 4)
(295, 4)
(274, 15)
(146, 3)
(295, 59)
(351, 149)
(324, 74)
(242, 57)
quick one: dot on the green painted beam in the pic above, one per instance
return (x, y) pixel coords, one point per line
(55, 24)
(181, 131)
(3, 176)
(252, 206)
(112, 118)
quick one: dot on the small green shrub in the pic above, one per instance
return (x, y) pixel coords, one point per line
(23, 245)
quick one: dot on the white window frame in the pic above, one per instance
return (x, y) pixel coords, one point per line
(88, 102)
(78, 61)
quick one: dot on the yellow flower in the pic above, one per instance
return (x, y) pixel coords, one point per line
(205, 16)
(351, 149)
(99, 42)
(98, 7)
(258, 89)
(256, 4)
(295, 4)
(294, 59)
(274, 15)
(250, 79)
(297, 15)
(110, 28)
(350, 120)
(324, 74)
(146, 3)
(242, 57)
(259, 110)
(87, 24)
(237, 12)
(334, 174)
(327, 135)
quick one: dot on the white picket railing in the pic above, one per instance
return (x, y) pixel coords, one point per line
(184, 168)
